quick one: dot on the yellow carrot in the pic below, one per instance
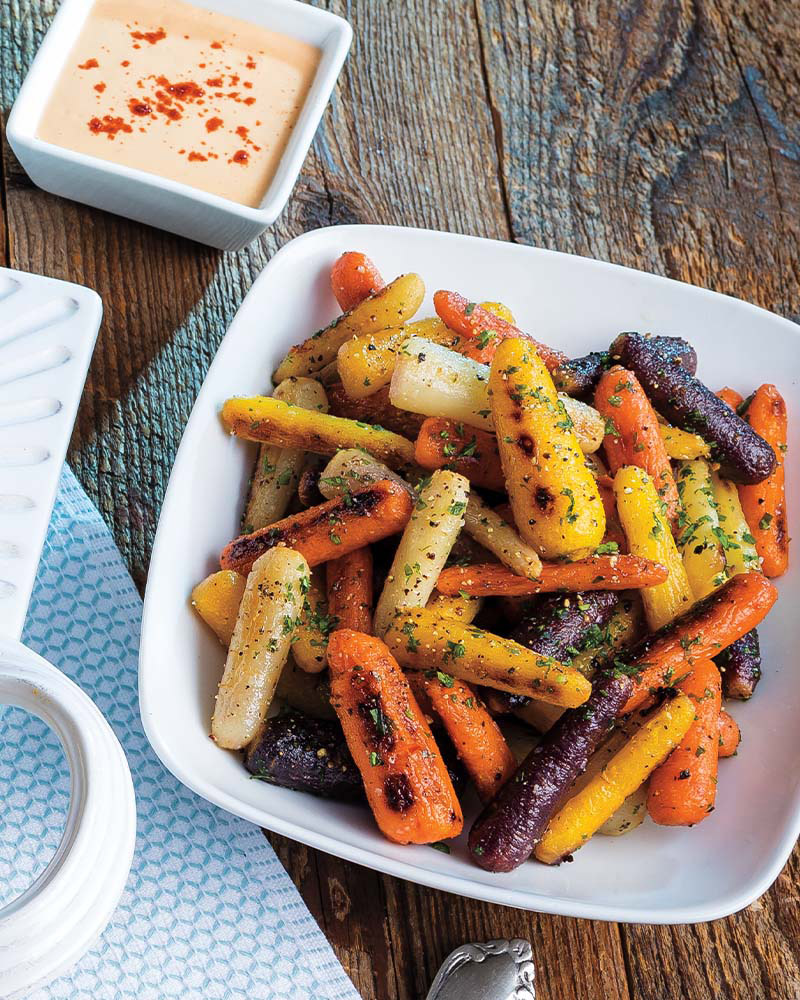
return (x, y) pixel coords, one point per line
(648, 532)
(585, 813)
(421, 640)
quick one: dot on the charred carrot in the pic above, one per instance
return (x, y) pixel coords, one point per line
(740, 666)
(729, 735)
(730, 396)
(705, 630)
(485, 329)
(406, 781)
(616, 572)
(265, 418)
(375, 409)
(474, 733)
(329, 530)
(683, 789)
(632, 433)
(354, 278)
(350, 590)
(764, 504)
(452, 445)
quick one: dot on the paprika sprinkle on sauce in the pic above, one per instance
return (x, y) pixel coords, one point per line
(170, 100)
(149, 36)
(108, 126)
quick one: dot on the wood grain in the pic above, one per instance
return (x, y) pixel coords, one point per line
(662, 134)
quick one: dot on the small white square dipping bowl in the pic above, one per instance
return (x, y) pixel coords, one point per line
(655, 874)
(136, 194)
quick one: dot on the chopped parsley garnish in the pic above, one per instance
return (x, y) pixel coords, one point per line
(455, 650)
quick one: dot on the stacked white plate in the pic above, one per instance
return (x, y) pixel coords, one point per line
(47, 333)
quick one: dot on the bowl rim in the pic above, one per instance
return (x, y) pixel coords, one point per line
(36, 89)
(726, 903)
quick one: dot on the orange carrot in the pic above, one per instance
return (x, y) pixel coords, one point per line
(729, 735)
(406, 781)
(451, 445)
(375, 409)
(617, 572)
(329, 530)
(764, 504)
(474, 733)
(633, 436)
(614, 534)
(476, 323)
(353, 278)
(703, 631)
(683, 789)
(350, 590)
(730, 396)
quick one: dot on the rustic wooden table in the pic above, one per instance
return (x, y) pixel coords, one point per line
(661, 134)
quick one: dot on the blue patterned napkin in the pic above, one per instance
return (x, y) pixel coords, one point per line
(208, 911)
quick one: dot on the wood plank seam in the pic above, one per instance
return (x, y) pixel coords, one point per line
(497, 121)
(6, 243)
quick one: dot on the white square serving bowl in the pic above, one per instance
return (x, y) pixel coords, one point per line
(157, 201)
(653, 875)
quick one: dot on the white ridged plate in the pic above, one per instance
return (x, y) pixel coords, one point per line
(48, 330)
(653, 875)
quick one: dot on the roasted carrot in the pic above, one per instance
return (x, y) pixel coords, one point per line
(375, 409)
(452, 445)
(616, 572)
(486, 329)
(628, 769)
(423, 640)
(265, 418)
(729, 735)
(354, 278)
(632, 433)
(740, 666)
(683, 789)
(329, 530)
(406, 781)
(706, 629)
(764, 504)
(614, 534)
(350, 590)
(474, 733)
(730, 396)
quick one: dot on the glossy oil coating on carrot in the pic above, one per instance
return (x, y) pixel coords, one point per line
(405, 779)
(354, 278)
(476, 736)
(616, 572)
(472, 452)
(633, 436)
(350, 597)
(729, 735)
(764, 504)
(706, 629)
(683, 789)
(330, 529)
(486, 330)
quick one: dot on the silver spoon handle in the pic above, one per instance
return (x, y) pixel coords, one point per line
(488, 970)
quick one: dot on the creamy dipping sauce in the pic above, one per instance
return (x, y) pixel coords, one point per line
(185, 93)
